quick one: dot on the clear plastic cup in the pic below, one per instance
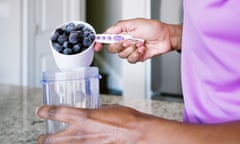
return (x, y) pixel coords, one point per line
(77, 88)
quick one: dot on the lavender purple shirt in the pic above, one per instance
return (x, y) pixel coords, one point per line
(211, 61)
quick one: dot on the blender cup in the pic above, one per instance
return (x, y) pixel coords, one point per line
(77, 88)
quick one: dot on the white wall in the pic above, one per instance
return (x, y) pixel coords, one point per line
(136, 77)
(166, 68)
(102, 14)
(10, 41)
(129, 78)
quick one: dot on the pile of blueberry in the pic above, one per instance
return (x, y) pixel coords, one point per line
(72, 38)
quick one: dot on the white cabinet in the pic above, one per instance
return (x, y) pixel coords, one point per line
(41, 18)
(10, 43)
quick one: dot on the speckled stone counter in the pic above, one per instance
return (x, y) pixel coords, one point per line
(19, 125)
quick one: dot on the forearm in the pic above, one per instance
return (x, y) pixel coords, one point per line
(176, 36)
(225, 133)
(172, 132)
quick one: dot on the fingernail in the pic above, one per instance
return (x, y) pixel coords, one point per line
(47, 140)
(125, 44)
(43, 139)
(36, 110)
(139, 44)
(36, 113)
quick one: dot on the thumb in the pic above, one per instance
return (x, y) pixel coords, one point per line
(133, 27)
(122, 26)
(115, 29)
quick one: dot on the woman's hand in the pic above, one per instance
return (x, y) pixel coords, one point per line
(111, 124)
(159, 38)
(115, 124)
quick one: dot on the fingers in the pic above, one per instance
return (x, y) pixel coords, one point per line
(98, 47)
(54, 139)
(61, 113)
(42, 139)
(115, 47)
(98, 126)
(128, 50)
(100, 138)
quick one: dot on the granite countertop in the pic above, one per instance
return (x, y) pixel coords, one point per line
(19, 125)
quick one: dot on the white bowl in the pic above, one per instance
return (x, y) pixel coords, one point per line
(74, 61)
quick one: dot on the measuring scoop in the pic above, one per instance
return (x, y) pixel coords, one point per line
(67, 60)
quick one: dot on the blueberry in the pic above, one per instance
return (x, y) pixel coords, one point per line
(67, 51)
(87, 42)
(57, 47)
(70, 27)
(54, 37)
(74, 37)
(92, 36)
(76, 48)
(79, 27)
(62, 39)
(59, 31)
(87, 29)
(67, 44)
(86, 33)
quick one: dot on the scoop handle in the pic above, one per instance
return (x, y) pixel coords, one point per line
(113, 38)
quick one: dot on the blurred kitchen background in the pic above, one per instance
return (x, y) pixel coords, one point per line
(25, 27)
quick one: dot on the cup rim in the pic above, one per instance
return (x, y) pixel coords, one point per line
(73, 74)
